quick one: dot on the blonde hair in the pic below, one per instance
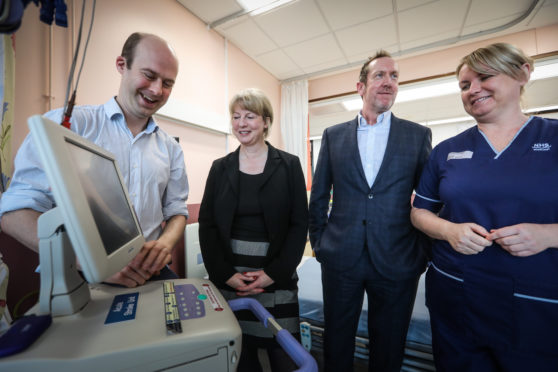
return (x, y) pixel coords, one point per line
(255, 100)
(498, 58)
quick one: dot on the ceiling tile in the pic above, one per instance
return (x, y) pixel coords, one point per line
(436, 18)
(547, 15)
(361, 57)
(408, 4)
(368, 36)
(488, 25)
(314, 52)
(483, 11)
(418, 44)
(277, 62)
(250, 38)
(341, 14)
(323, 66)
(293, 23)
(289, 74)
(208, 12)
(304, 28)
(223, 27)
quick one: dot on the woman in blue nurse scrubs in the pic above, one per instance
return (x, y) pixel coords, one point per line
(489, 199)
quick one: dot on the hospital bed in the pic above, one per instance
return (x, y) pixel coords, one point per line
(418, 350)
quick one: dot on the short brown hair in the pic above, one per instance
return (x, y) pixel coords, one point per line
(129, 48)
(366, 66)
(255, 100)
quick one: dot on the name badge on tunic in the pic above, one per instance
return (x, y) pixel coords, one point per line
(460, 155)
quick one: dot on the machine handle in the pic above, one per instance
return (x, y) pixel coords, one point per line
(253, 305)
(298, 354)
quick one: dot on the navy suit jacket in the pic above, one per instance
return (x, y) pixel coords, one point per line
(378, 215)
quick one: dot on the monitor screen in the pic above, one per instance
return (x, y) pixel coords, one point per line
(106, 198)
(92, 198)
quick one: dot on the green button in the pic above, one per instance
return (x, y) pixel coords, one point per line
(202, 297)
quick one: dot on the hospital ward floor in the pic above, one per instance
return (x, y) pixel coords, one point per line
(358, 366)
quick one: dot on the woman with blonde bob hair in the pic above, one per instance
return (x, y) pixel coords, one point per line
(488, 197)
(253, 225)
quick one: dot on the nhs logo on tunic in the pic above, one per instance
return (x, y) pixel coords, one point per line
(541, 147)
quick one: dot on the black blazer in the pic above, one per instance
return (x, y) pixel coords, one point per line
(378, 215)
(285, 208)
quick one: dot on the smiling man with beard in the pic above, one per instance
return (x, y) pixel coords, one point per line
(367, 243)
(151, 161)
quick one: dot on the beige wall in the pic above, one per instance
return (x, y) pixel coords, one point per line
(244, 72)
(210, 71)
(533, 42)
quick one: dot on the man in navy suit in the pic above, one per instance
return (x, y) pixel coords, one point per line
(367, 242)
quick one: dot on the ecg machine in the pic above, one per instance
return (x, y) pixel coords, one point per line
(183, 324)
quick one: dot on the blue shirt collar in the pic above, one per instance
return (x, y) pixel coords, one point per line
(362, 123)
(114, 112)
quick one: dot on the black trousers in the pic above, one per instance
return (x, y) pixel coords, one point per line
(390, 305)
(279, 360)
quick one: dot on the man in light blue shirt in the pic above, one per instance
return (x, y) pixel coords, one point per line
(367, 243)
(151, 162)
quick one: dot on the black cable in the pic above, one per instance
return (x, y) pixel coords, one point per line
(87, 41)
(74, 59)
(68, 108)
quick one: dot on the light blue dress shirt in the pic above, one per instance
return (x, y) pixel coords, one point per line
(152, 165)
(372, 143)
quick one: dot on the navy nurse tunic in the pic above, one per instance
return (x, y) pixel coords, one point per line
(510, 303)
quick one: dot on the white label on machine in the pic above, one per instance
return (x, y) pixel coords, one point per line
(305, 335)
(212, 297)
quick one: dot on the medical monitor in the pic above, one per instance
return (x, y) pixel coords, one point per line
(92, 198)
